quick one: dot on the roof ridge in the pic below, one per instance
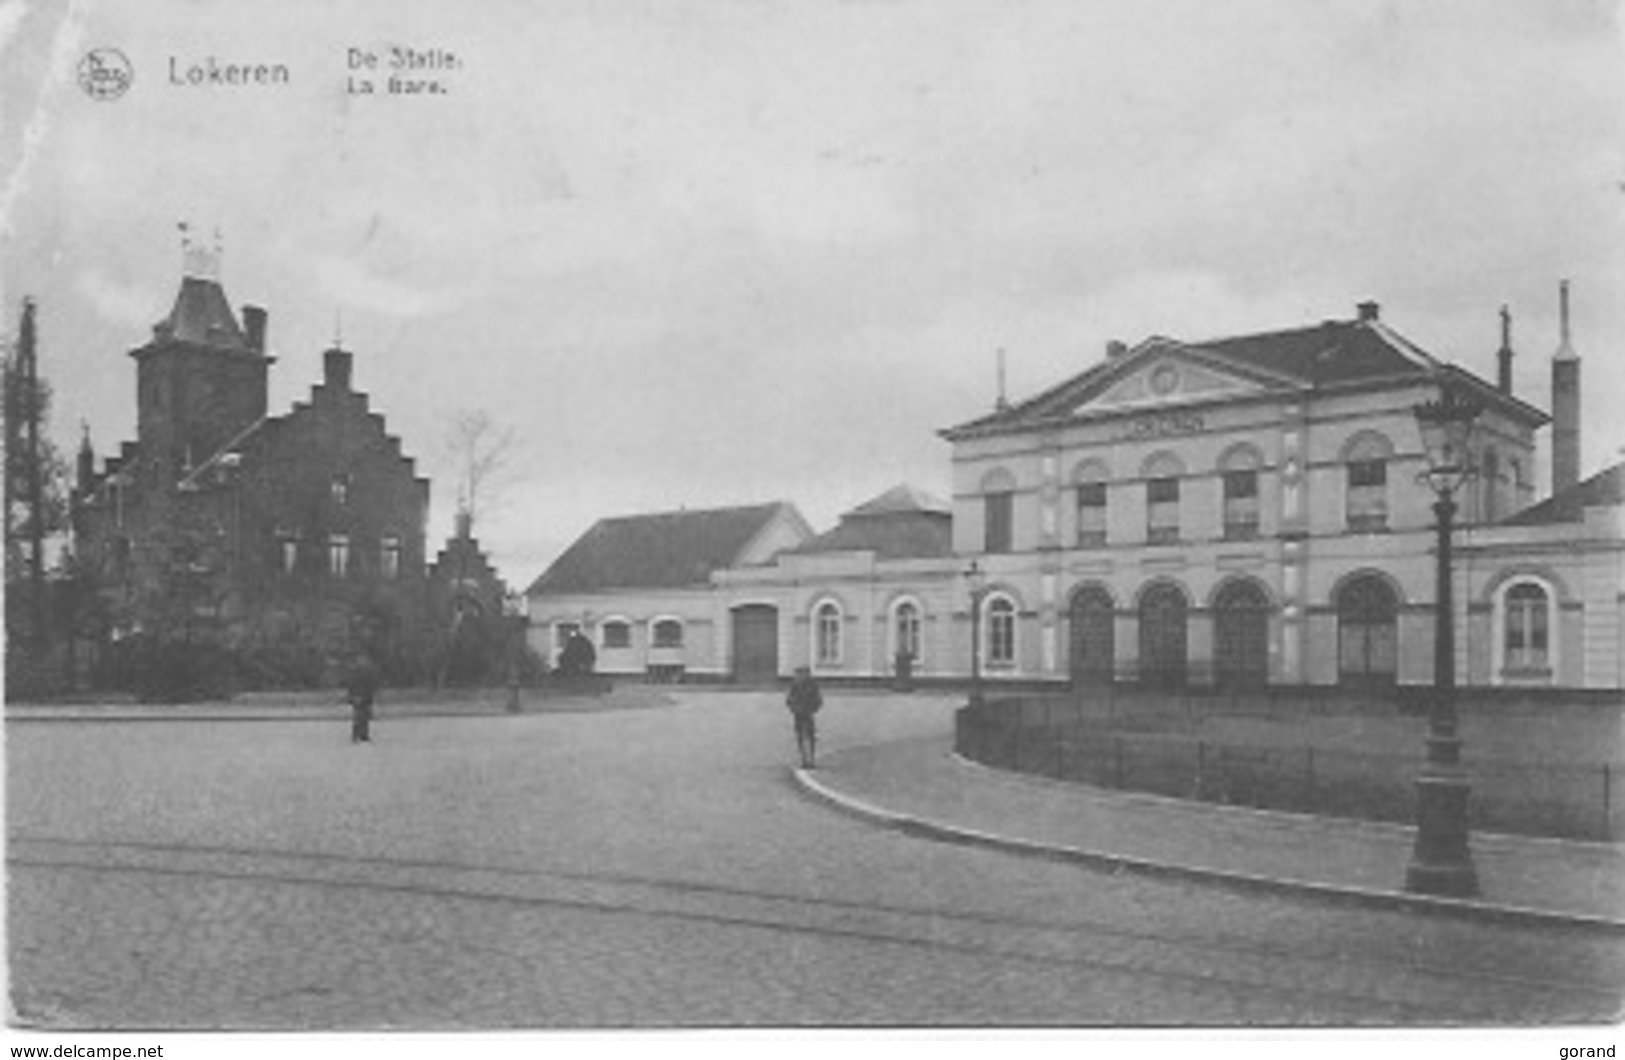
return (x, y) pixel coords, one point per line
(693, 511)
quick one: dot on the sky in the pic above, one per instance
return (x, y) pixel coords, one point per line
(710, 252)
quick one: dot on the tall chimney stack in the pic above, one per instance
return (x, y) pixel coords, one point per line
(254, 327)
(1565, 403)
(1503, 356)
(336, 369)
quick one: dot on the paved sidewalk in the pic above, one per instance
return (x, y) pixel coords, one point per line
(329, 705)
(920, 786)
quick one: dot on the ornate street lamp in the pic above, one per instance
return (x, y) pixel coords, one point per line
(976, 582)
(1441, 862)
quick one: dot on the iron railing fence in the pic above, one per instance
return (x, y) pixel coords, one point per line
(1137, 752)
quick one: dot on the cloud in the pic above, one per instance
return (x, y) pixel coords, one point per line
(11, 19)
(349, 283)
(126, 305)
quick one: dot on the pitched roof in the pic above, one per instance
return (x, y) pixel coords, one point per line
(662, 551)
(1605, 489)
(902, 498)
(1329, 354)
(909, 535)
(902, 523)
(201, 315)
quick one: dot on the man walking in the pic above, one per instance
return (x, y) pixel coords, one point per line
(804, 700)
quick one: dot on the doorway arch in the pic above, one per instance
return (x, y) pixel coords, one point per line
(1094, 637)
(1241, 635)
(1163, 654)
(1367, 632)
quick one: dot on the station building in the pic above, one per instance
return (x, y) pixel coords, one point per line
(1241, 512)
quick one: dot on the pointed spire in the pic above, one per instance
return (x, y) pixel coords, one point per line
(86, 462)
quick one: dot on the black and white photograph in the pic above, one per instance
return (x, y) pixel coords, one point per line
(1064, 521)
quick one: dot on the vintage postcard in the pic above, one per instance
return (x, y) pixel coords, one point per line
(837, 514)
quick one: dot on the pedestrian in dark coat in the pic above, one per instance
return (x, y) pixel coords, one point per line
(361, 688)
(804, 700)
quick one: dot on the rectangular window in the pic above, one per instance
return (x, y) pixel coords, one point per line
(389, 558)
(1000, 518)
(1092, 514)
(1368, 495)
(338, 556)
(1162, 511)
(617, 635)
(1240, 504)
(288, 553)
(563, 631)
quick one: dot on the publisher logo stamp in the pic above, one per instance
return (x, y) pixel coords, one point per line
(105, 73)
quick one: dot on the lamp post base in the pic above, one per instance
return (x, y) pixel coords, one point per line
(1442, 862)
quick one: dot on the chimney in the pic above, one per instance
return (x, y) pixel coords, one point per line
(1369, 311)
(1565, 403)
(254, 327)
(1115, 349)
(465, 524)
(1001, 403)
(336, 369)
(1503, 356)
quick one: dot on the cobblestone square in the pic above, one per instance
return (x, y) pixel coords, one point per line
(647, 868)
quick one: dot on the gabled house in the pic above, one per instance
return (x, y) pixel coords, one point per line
(287, 539)
(641, 589)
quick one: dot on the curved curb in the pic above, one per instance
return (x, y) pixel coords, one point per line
(1288, 818)
(1099, 859)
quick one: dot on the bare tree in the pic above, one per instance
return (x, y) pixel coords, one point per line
(483, 452)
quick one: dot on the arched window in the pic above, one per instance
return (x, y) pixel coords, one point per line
(1527, 643)
(1091, 480)
(667, 633)
(827, 634)
(616, 633)
(906, 629)
(1162, 473)
(1239, 468)
(1367, 632)
(1001, 632)
(1365, 459)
